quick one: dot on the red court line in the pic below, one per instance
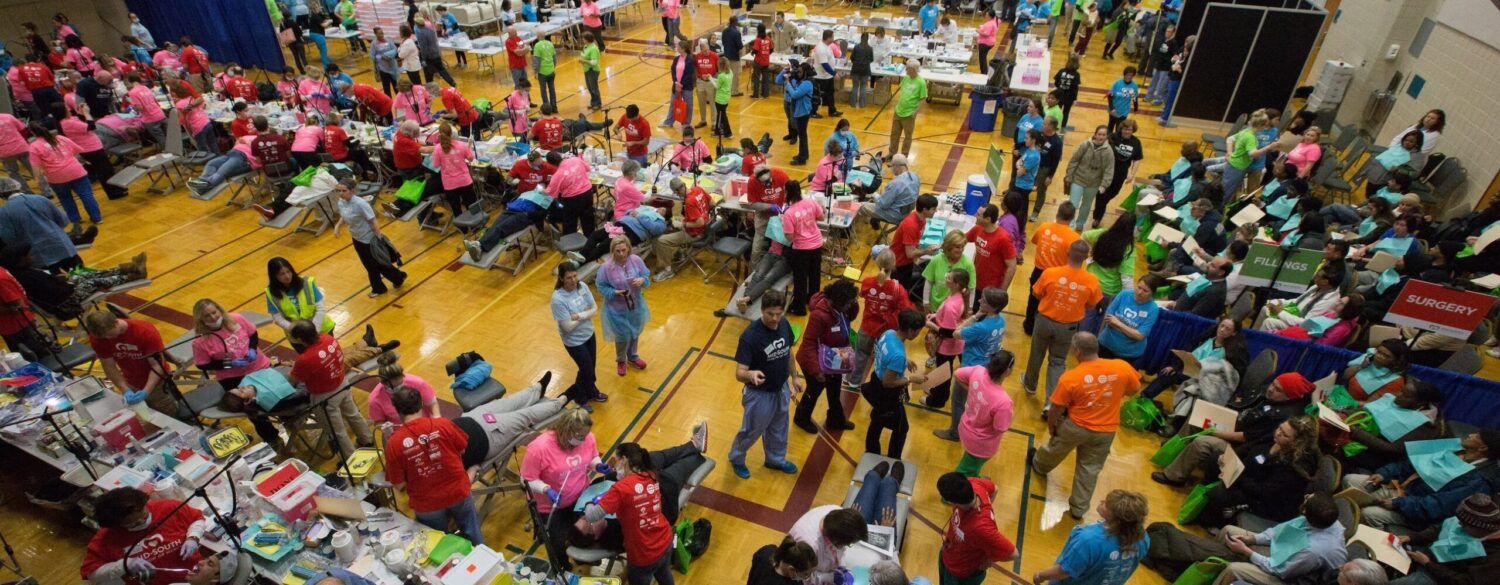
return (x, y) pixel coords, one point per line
(955, 154)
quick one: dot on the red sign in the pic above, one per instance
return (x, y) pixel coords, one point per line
(1439, 309)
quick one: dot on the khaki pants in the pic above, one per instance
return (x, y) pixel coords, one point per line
(705, 95)
(339, 415)
(1245, 571)
(1375, 516)
(1050, 341)
(734, 76)
(1198, 452)
(900, 126)
(1093, 450)
(669, 245)
(759, 243)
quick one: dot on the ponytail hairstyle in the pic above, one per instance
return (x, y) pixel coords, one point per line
(1000, 362)
(960, 278)
(38, 130)
(445, 136)
(391, 373)
(636, 457)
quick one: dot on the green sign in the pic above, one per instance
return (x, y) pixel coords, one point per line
(994, 167)
(1292, 270)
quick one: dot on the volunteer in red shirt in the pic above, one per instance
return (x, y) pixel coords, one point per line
(761, 48)
(17, 322)
(464, 112)
(372, 100)
(994, 251)
(750, 157)
(765, 189)
(163, 545)
(39, 81)
(425, 455)
(270, 146)
(695, 217)
(636, 132)
(243, 123)
(195, 60)
(129, 350)
(905, 242)
(883, 298)
(635, 500)
(531, 172)
(320, 369)
(406, 150)
(548, 131)
(705, 66)
(236, 85)
(338, 144)
(972, 540)
(515, 55)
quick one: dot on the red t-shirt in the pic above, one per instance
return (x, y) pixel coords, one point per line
(162, 548)
(972, 541)
(336, 142)
(426, 454)
(750, 161)
(762, 47)
(530, 177)
(990, 254)
(908, 233)
(706, 63)
(406, 152)
(241, 127)
(636, 501)
(36, 76)
(372, 98)
(548, 133)
(774, 194)
(636, 129)
(271, 148)
(696, 209)
(131, 351)
(459, 105)
(239, 87)
(882, 304)
(321, 366)
(194, 59)
(10, 292)
(514, 59)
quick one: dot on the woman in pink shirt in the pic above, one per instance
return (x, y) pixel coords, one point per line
(194, 120)
(287, 87)
(57, 157)
(1307, 152)
(691, 152)
(393, 376)
(239, 160)
(452, 160)
(589, 11)
(671, 19)
(166, 59)
(571, 186)
(14, 151)
(79, 57)
(518, 106)
(987, 411)
(413, 102)
(627, 195)
(315, 91)
(306, 140)
(147, 110)
(556, 470)
(18, 86)
(95, 158)
(830, 170)
(800, 224)
(986, 40)
(942, 344)
(227, 344)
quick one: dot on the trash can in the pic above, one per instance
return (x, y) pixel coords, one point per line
(977, 192)
(984, 103)
(1015, 107)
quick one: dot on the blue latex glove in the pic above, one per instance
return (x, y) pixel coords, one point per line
(134, 397)
(239, 363)
(603, 468)
(843, 576)
(141, 569)
(189, 548)
(553, 496)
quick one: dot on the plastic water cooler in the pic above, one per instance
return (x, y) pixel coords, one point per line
(976, 193)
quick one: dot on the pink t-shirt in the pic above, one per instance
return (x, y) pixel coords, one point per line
(689, 157)
(242, 144)
(82, 59)
(78, 131)
(1304, 156)
(166, 60)
(12, 141)
(948, 316)
(987, 414)
(192, 117)
(120, 126)
(800, 224)
(227, 345)
(570, 180)
(670, 8)
(59, 164)
(18, 86)
(307, 139)
(145, 104)
(382, 410)
(565, 470)
(315, 93)
(415, 104)
(987, 32)
(590, 13)
(454, 165)
(518, 103)
(829, 171)
(627, 197)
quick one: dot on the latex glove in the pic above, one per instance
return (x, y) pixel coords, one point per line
(843, 576)
(603, 469)
(189, 548)
(553, 496)
(251, 355)
(141, 569)
(134, 397)
(241, 362)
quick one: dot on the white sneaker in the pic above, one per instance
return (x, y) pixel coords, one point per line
(1493, 352)
(475, 250)
(1492, 342)
(576, 258)
(665, 274)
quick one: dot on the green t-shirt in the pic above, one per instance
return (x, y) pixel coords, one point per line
(1244, 142)
(1054, 112)
(546, 58)
(1111, 280)
(721, 94)
(937, 272)
(912, 92)
(591, 54)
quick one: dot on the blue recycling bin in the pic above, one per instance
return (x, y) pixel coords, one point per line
(984, 108)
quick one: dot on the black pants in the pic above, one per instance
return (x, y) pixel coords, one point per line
(1073, 29)
(802, 137)
(578, 210)
(598, 35)
(306, 159)
(584, 355)
(1031, 303)
(415, 77)
(1115, 184)
(817, 384)
(299, 55)
(1113, 122)
(377, 271)
(30, 343)
(721, 120)
(435, 67)
(461, 57)
(1114, 43)
(387, 82)
(887, 411)
(908, 276)
(1067, 108)
(825, 89)
(100, 170)
(460, 199)
(938, 397)
(806, 272)
(984, 58)
(559, 521)
(44, 98)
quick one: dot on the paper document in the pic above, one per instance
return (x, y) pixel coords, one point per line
(1486, 282)
(1230, 467)
(1148, 200)
(1207, 415)
(1164, 235)
(1191, 367)
(1384, 546)
(937, 376)
(1167, 213)
(1247, 215)
(1485, 239)
(1323, 385)
(1381, 262)
(1331, 417)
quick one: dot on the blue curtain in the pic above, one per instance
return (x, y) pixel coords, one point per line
(1320, 360)
(1173, 330)
(231, 30)
(1288, 350)
(1465, 398)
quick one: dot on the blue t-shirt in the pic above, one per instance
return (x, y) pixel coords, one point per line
(890, 354)
(1121, 96)
(768, 350)
(1026, 123)
(564, 304)
(929, 15)
(1024, 14)
(1138, 316)
(1031, 158)
(980, 340)
(1262, 138)
(1092, 556)
(528, 12)
(450, 23)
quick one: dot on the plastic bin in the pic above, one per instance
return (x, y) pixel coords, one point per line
(295, 501)
(984, 106)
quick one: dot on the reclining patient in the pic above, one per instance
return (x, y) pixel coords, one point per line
(639, 225)
(672, 467)
(495, 425)
(526, 210)
(63, 296)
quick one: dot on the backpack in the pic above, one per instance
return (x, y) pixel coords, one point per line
(266, 92)
(702, 531)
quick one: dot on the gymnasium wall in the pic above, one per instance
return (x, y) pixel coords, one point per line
(1457, 71)
(99, 22)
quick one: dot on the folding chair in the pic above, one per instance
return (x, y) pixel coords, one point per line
(157, 167)
(697, 245)
(731, 254)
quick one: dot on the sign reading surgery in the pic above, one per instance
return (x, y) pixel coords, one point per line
(1439, 309)
(1296, 267)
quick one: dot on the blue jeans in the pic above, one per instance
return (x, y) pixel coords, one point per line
(1162, 383)
(766, 419)
(516, 75)
(859, 91)
(1166, 108)
(322, 43)
(1093, 318)
(687, 96)
(876, 495)
(659, 571)
(1417, 576)
(591, 79)
(463, 514)
(1083, 199)
(1158, 89)
(206, 140)
(85, 191)
(13, 168)
(1231, 179)
(643, 160)
(221, 169)
(1339, 213)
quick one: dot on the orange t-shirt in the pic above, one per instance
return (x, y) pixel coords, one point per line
(1064, 292)
(1052, 240)
(1093, 390)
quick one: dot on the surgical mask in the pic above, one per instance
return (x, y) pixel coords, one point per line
(144, 524)
(575, 442)
(214, 323)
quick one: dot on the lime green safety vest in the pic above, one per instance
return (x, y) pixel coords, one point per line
(301, 306)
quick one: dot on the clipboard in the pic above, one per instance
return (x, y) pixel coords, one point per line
(1247, 215)
(1230, 467)
(1148, 200)
(1328, 415)
(1167, 213)
(1323, 385)
(1287, 141)
(1191, 367)
(1381, 262)
(937, 376)
(1164, 234)
(1182, 279)
(1383, 545)
(1190, 245)
(1207, 415)
(1358, 497)
(1486, 282)
(1485, 239)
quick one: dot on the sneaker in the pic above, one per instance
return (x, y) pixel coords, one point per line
(1493, 352)
(599, 397)
(785, 467)
(475, 251)
(945, 434)
(576, 258)
(390, 209)
(1492, 342)
(374, 294)
(264, 211)
(721, 313)
(1161, 478)
(664, 275)
(807, 426)
(839, 426)
(898, 472)
(620, 368)
(835, 114)
(1034, 217)
(701, 125)
(932, 362)
(639, 363)
(740, 470)
(700, 436)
